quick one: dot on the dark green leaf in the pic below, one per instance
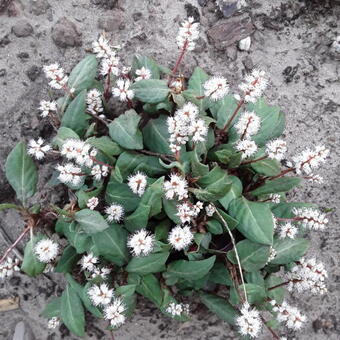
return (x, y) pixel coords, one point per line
(153, 197)
(223, 109)
(151, 90)
(127, 293)
(289, 250)
(63, 134)
(220, 275)
(138, 219)
(106, 145)
(214, 227)
(267, 167)
(68, 260)
(91, 221)
(255, 293)
(150, 288)
(276, 294)
(170, 208)
(282, 184)
(234, 192)
(152, 263)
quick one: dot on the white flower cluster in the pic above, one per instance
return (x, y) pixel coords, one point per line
(308, 275)
(317, 179)
(92, 202)
(248, 124)
(246, 147)
(254, 85)
(114, 313)
(138, 183)
(8, 268)
(122, 90)
(115, 212)
(276, 149)
(216, 88)
(275, 198)
(141, 243)
(99, 171)
(288, 230)
(210, 210)
(94, 101)
(187, 211)
(310, 159)
(69, 173)
(89, 263)
(184, 124)
(46, 250)
(188, 34)
(180, 237)
(311, 218)
(177, 309)
(288, 315)
(143, 73)
(176, 186)
(57, 76)
(53, 323)
(272, 254)
(36, 148)
(100, 295)
(46, 107)
(249, 322)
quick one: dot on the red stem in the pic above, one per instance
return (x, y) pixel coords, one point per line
(254, 160)
(179, 60)
(239, 105)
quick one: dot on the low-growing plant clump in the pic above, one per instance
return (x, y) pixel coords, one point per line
(182, 194)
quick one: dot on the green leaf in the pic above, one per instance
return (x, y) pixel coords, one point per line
(72, 311)
(190, 270)
(253, 256)
(276, 294)
(289, 250)
(4, 206)
(267, 167)
(111, 244)
(234, 192)
(231, 222)
(127, 293)
(83, 74)
(255, 220)
(106, 145)
(140, 61)
(255, 293)
(91, 221)
(153, 197)
(156, 135)
(117, 192)
(162, 230)
(52, 309)
(222, 308)
(150, 288)
(30, 265)
(68, 260)
(63, 134)
(220, 275)
(151, 90)
(21, 172)
(285, 210)
(75, 117)
(170, 208)
(223, 109)
(124, 130)
(214, 227)
(152, 263)
(282, 184)
(138, 219)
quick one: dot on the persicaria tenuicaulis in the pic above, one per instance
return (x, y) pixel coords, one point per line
(182, 193)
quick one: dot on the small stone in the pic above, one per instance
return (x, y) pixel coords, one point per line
(106, 4)
(227, 7)
(244, 44)
(202, 3)
(3, 72)
(33, 72)
(226, 32)
(66, 34)
(336, 44)
(112, 22)
(192, 11)
(39, 7)
(22, 29)
(137, 16)
(23, 56)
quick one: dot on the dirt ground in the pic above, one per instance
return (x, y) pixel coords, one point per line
(291, 41)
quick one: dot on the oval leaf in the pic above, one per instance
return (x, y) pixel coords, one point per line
(151, 90)
(90, 221)
(152, 263)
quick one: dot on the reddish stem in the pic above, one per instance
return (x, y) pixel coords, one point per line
(254, 160)
(275, 336)
(239, 105)
(179, 60)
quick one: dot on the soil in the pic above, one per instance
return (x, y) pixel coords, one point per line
(291, 40)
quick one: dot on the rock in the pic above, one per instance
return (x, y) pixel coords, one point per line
(3, 72)
(113, 22)
(202, 3)
(66, 34)
(23, 56)
(226, 32)
(23, 332)
(336, 44)
(106, 4)
(22, 29)
(244, 44)
(33, 72)
(137, 16)
(248, 63)
(192, 11)
(227, 7)
(39, 7)
(289, 72)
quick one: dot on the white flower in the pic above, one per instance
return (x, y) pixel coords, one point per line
(272, 254)
(276, 149)
(210, 210)
(115, 212)
(103, 272)
(92, 202)
(216, 88)
(187, 35)
(114, 313)
(176, 186)
(249, 322)
(177, 309)
(187, 211)
(143, 73)
(248, 124)
(100, 295)
(94, 101)
(289, 315)
(315, 178)
(288, 230)
(109, 65)
(246, 147)
(88, 262)
(141, 242)
(253, 86)
(46, 107)
(275, 198)
(125, 70)
(56, 74)
(180, 237)
(188, 113)
(53, 323)
(137, 183)
(308, 275)
(69, 173)
(311, 218)
(102, 48)
(122, 90)
(198, 131)
(309, 160)
(99, 171)
(37, 149)
(81, 152)
(8, 267)
(46, 250)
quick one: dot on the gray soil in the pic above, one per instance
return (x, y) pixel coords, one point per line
(291, 40)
